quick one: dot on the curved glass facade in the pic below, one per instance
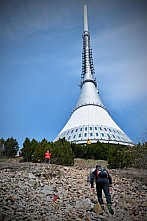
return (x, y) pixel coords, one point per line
(95, 133)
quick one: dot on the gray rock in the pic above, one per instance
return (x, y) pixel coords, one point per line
(27, 193)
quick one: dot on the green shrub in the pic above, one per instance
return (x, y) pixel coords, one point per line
(28, 149)
(61, 151)
(8, 148)
(119, 156)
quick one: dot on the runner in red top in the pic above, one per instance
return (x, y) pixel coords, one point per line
(47, 157)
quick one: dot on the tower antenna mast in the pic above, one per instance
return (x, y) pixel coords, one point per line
(85, 18)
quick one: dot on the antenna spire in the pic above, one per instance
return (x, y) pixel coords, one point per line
(87, 60)
(85, 18)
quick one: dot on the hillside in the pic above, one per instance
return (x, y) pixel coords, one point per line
(33, 191)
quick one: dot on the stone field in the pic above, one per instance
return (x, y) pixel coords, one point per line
(41, 192)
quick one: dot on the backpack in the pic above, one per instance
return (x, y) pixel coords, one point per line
(102, 173)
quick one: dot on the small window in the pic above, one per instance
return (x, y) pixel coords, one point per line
(105, 129)
(81, 129)
(79, 135)
(91, 134)
(69, 137)
(113, 135)
(85, 135)
(108, 136)
(72, 131)
(74, 136)
(100, 128)
(85, 128)
(97, 134)
(90, 128)
(102, 134)
(109, 129)
(95, 128)
(76, 130)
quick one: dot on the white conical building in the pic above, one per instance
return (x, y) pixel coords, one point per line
(90, 119)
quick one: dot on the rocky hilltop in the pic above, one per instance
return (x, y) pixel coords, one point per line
(41, 192)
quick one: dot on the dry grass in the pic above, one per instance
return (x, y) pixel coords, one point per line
(78, 162)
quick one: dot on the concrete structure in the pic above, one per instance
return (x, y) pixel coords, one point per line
(90, 119)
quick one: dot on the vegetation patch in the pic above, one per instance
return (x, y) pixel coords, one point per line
(64, 153)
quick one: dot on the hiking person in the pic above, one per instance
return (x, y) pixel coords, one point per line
(103, 182)
(47, 156)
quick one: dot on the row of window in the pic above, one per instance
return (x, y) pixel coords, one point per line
(94, 132)
(93, 129)
(102, 135)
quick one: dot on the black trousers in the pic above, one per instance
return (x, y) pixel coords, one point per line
(47, 160)
(103, 184)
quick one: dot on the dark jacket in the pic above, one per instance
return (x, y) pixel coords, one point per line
(97, 174)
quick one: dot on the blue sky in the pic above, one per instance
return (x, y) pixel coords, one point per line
(40, 64)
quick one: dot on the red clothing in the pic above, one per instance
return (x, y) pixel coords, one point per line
(47, 155)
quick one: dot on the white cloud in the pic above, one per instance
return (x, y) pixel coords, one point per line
(126, 79)
(19, 20)
(121, 60)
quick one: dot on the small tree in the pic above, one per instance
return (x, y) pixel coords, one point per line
(41, 148)
(10, 147)
(29, 149)
(62, 153)
(2, 141)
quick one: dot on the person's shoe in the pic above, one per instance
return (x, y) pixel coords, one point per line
(110, 209)
(102, 206)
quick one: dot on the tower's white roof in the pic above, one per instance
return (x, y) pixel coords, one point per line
(93, 122)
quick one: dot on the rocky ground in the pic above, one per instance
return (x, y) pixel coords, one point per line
(40, 192)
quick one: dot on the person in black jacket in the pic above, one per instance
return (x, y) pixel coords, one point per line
(103, 182)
